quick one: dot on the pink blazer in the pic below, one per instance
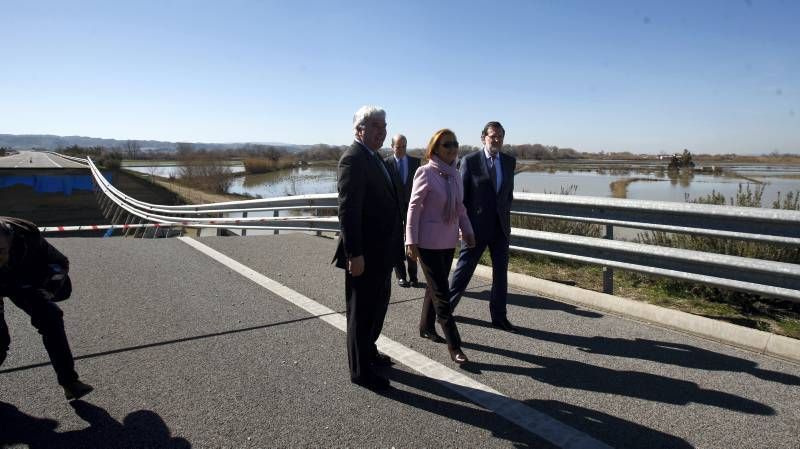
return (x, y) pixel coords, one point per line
(425, 224)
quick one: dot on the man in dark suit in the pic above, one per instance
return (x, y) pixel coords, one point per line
(370, 244)
(488, 176)
(402, 167)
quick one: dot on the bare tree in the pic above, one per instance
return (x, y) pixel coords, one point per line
(184, 150)
(153, 171)
(131, 148)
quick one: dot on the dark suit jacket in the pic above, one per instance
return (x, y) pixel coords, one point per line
(369, 212)
(404, 191)
(29, 268)
(485, 208)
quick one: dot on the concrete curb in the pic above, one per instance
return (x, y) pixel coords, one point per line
(755, 340)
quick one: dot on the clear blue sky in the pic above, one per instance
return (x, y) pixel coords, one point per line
(639, 76)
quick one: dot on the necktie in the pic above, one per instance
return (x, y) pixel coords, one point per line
(383, 167)
(403, 171)
(493, 172)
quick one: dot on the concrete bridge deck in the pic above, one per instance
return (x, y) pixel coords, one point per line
(36, 159)
(184, 351)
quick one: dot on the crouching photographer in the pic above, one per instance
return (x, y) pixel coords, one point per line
(34, 276)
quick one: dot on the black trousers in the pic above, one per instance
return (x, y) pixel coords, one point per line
(400, 269)
(435, 265)
(367, 298)
(48, 319)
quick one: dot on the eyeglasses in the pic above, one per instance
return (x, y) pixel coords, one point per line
(450, 145)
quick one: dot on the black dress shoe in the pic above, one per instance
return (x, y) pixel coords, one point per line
(432, 336)
(403, 283)
(505, 325)
(382, 360)
(457, 356)
(372, 382)
(76, 390)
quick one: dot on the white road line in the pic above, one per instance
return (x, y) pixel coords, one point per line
(54, 162)
(512, 410)
(15, 157)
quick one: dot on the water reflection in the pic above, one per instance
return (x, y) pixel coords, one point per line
(682, 178)
(656, 183)
(295, 181)
(170, 170)
(643, 181)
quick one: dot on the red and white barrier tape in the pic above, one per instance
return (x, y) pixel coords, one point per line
(103, 227)
(244, 223)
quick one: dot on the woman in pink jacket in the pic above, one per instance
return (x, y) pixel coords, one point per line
(435, 214)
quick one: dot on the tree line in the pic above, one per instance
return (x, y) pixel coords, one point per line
(318, 152)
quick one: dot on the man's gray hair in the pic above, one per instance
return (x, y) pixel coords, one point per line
(365, 113)
(397, 138)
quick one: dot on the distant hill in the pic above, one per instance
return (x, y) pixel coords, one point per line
(51, 142)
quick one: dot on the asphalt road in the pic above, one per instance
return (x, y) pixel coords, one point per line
(184, 352)
(36, 159)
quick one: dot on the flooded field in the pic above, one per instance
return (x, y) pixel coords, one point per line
(618, 179)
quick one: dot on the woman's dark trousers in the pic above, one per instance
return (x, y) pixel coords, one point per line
(435, 264)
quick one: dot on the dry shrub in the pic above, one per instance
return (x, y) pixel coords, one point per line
(209, 174)
(266, 165)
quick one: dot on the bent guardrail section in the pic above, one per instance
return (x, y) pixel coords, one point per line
(123, 209)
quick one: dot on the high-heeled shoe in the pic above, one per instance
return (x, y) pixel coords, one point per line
(431, 335)
(457, 355)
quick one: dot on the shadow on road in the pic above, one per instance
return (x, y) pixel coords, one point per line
(142, 428)
(167, 342)
(534, 302)
(582, 376)
(471, 415)
(609, 429)
(656, 351)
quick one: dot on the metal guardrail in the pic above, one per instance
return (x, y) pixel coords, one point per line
(767, 278)
(78, 160)
(768, 226)
(763, 277)
(747, 223)
(123, 209)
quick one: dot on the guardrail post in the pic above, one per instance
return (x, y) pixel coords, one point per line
(313, 225)
(608, 272)
(244, 231)
(220, 231)
(275, 214)
(117, 215)
(127, 222)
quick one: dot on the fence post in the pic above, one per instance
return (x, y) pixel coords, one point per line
(275, 214)
(220, 231)
(316, 214)
(244, 231)
(608, 272)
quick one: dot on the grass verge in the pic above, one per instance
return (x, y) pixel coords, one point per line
(778, 317)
